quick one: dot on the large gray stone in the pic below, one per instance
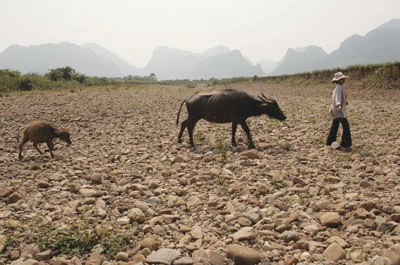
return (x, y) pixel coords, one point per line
(163, 256)
(205, 256)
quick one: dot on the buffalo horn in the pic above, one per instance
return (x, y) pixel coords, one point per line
(266, 99)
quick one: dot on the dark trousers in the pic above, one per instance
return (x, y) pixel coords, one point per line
(346, 136)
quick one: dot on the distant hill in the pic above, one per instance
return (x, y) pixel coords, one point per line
(125, 67)
(300, 60)
(219, 50)
(168, 63)
(41, 58)
(377, 46)
(267, 65)
(94, 60)
(219, 62)
(380, 45)
(231, 64)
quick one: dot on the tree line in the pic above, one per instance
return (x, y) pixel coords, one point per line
(64, 77)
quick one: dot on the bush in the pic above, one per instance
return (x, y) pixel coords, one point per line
(26, 84)
(9, 80)
(65, 77)
(74, 240)
(61, 74)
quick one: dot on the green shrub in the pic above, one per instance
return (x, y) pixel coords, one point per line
(9, 80)
(77, 241)
(26, 84)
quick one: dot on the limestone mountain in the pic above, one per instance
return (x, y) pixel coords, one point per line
(41, 58)
(300, 60)
(268, 65)
(377, 46)
(125, 67)
(169, 63)
(380, 45)
(94, 60)
(231, 64)
(218, 50)
(219, 62)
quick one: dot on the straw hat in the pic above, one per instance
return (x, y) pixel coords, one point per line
(337, 76)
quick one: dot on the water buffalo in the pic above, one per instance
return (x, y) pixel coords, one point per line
(41, 132)
(225, 106)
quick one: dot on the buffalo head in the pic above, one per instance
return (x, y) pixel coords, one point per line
(271, 108)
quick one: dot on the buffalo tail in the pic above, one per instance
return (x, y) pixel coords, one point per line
(179, 112)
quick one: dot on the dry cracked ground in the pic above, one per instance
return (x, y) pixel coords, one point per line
(125, 192)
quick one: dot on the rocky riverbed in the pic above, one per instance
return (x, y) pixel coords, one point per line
(128, 187)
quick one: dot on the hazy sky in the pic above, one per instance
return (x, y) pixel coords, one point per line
(133, 29)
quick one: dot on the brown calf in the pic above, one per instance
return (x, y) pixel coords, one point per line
(41, 132)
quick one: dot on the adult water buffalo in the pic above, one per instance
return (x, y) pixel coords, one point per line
(225, 106)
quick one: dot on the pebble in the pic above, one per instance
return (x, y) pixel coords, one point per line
(340, 241)
(245, 233)
(243, 255)
(94, 259)
(334, 252)
(196, 233)
(122, 256)
(335, 145)
(251, 154)
(330, 219)
(289, 236)
(150, 243)
(163, 256)
(393, 254)
(136, 215)
(88, 192)
(206, 256)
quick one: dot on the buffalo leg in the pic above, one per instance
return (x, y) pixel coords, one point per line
(21, 145)
(234, 127)
(51, 147)
(37, 148)
(183, 127)
(191, 125)
(247, 131)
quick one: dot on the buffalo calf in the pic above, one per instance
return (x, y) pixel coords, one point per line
(41, 132)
